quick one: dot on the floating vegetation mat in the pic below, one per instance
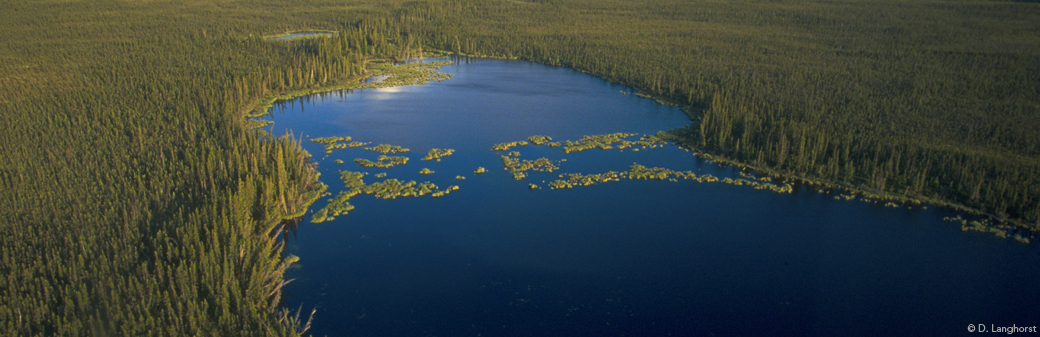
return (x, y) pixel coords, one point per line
(384, 149)
(578, 179)
(1001, 230)
(539, 140)
(387, 189)
(603, 142)
(507, 146)
(520, 168)
(437, 154)
(333, 143)
(640, 172)
(517, 167)
(383, 161)
(611, 141)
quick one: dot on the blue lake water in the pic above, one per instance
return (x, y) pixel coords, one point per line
(627, 258)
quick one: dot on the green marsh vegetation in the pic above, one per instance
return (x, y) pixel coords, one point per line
(136, 200)
(409, 74)
(507, 146)
(539, 140)
(333, 143)
(383, 161)
(437, 154)
(387, 189)
(611, 141)
(518, 167)
(385, 148)
(987, 226)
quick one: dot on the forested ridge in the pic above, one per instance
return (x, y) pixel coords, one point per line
(136, 201)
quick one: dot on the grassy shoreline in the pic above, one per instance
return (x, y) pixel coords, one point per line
(261, 107)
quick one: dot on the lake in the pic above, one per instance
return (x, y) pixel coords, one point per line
(625, 258)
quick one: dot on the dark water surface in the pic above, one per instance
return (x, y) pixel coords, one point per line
(628, 258)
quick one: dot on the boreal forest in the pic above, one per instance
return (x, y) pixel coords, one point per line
(136, 199)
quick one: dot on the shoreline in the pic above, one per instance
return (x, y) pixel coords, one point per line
(1002, 226)
(262, 106)
(1008, 226)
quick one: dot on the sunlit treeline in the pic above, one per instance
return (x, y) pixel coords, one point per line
(1001, 182)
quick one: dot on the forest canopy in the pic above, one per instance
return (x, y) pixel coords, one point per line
(136, 200)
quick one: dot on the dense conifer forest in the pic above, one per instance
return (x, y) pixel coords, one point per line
(135, 200)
